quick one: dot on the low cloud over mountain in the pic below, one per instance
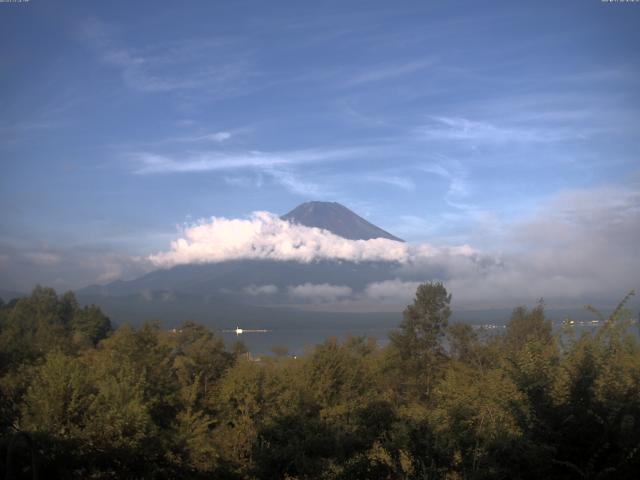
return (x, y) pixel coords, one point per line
(576, 248)
(265, 236)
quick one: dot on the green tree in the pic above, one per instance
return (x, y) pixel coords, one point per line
(526, 325)
(417, 342)
(597, 403)
(192, 432)
(197, 353)
(57, 401)
(119, 421)
(463, 342)
(476, 421)
(90, 324)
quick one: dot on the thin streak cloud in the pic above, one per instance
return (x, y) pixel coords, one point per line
(215, 65)
(400, 182)
(150, 163)
(388, 72)
(466, 130)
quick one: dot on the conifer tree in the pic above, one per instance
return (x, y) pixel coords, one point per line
(417, 343)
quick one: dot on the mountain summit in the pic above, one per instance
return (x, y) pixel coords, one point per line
(338, 219)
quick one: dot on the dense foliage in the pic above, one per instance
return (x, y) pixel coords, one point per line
(81, 400)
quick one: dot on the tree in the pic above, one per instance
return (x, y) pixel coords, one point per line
(463, 342)
(118, 418)
(197, 352)
(526, 325)
(32, 327)
(58, 398)
(90, 324)
(417, 343)
(597, 402)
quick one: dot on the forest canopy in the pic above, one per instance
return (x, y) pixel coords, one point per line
(80, 399)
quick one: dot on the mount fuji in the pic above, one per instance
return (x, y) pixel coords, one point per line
(235, 290)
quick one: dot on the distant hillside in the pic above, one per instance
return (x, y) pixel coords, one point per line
(338, 219)
(7, 295)
(227, 279)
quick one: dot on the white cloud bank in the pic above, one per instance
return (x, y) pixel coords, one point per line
(580, 246)
(264, 236)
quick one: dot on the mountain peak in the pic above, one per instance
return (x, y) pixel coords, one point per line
(338, 219)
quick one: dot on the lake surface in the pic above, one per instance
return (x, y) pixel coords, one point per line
(296, 338)
(297, 328)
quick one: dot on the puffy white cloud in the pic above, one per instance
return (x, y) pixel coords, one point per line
(320, 292)
(265, 236)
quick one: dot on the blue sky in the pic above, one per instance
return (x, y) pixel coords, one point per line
(447, 122)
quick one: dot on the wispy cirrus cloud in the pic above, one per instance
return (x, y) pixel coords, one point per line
(27, 121)
(147, 163)
(296, 184)
(401, 182)
(216, 65)
(457, 177)
(253, 168)
(385, 72)
(460, 129)
(196, 138)
(217, 137)
(244, 181)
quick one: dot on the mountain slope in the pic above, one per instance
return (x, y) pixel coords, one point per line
(7, 295)
(338, 219)
(233, 277)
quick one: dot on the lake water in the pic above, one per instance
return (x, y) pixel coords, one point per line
(297, 338)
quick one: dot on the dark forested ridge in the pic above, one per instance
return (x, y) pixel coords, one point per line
(79, 399)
